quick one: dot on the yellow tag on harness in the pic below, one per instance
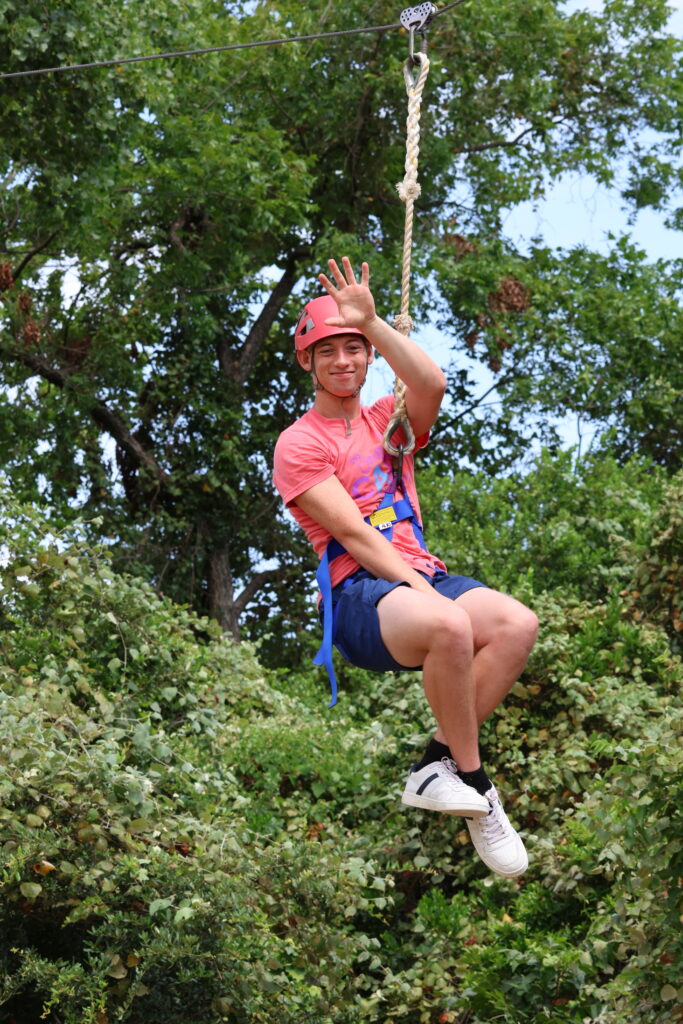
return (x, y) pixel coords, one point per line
(383, 516)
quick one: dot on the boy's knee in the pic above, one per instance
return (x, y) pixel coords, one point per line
(452, 628)
(524, 624)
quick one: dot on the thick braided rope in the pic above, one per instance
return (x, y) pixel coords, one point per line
(409, 190)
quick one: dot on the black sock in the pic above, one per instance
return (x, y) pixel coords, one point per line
(477, 779)
(434, 752)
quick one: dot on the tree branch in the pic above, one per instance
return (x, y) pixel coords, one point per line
(259, 331)
(105, 417)
(34, 252)
(452, 420)
(254, 585)
(502, 143)
(238, 370)
(177, 226)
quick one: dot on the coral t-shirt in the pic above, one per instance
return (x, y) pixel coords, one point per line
(316, 447)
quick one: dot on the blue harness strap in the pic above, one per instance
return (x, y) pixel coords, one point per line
(395, 513)
(324, 655)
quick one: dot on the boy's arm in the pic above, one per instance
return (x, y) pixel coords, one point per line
(335, 510)
(425, 381)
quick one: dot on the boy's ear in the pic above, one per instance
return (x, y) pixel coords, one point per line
(304, 359)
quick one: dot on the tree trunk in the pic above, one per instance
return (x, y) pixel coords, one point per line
(222, 605)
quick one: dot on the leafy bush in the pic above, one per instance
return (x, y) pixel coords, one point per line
(133, 886)
(657, 584)
(188, 838)
(565, 524)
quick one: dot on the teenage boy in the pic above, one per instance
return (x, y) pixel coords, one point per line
(393, 603)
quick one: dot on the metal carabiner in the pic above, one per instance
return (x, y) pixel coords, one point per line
(417, 19)
(398, 471)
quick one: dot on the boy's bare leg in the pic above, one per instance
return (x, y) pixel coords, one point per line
(429, 630)
(471, 656)
(504, 633)
(462, 687)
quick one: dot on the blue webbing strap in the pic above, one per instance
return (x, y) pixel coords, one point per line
(403, 510)
(324, 655)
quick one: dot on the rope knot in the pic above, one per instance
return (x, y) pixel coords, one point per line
(409, 189)
(403, 322)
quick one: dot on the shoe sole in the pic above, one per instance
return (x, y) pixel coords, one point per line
(466, 810)
(510, 872)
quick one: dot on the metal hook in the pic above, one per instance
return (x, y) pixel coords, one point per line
(399, 468)
(417, 19)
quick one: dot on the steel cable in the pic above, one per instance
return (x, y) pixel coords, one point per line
(120, 61)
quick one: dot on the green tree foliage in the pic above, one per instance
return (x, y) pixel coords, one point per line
(186, 837)
(160, 222)
(573, 333)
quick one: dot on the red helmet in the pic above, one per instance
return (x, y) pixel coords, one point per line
(311, 326)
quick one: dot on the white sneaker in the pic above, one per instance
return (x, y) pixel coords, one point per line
(496, 841)
(438, 787)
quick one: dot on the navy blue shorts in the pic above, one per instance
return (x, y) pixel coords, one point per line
(356, 620)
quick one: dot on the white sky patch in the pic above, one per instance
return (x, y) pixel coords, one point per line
(578, 210)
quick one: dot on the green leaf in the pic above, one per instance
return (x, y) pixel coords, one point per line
(31, 890)
(156, 906)
(183, 914)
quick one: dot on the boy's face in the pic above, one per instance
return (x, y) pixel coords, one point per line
(339, 363)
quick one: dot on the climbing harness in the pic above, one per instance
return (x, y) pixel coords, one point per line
(414, 20)
(388, 513)
(384, 518)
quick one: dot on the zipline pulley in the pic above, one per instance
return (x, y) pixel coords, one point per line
(417, 19)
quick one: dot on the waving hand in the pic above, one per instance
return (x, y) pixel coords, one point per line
(354, 301)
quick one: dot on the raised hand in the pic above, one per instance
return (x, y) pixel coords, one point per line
(354, 301)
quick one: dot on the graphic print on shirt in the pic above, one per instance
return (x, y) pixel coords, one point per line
(375, 470)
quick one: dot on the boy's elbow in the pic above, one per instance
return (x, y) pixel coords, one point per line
(435, 382)
(353, 534)
(436, 387)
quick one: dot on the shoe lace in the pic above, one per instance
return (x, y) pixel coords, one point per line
(450, 765)
(494, 825)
